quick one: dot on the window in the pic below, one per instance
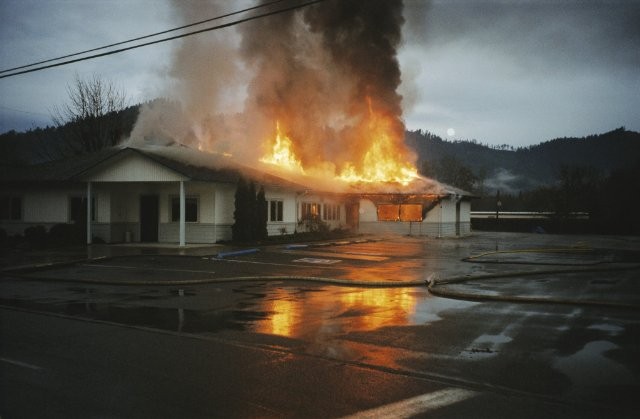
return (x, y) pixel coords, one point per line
(190, 209)
(310, 211)
(331, 212)
(78, 209)
(388, 212)
(411, 212)
(275, 210)
(10, 208)
(406, 212)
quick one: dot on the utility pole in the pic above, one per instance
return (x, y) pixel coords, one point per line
(498, 205)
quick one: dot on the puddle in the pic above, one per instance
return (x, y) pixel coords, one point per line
(611, 329)
(429, 310)
(590, 367)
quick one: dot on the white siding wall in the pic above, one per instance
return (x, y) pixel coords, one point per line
(368, 211)
(289, 222)
(465, 211)
(123, 203)
(134, 168)
(465, 218)
(215, 212)
(224, 204)
(118, 210)
(125, 209)
(103, 204)
(434, 215)
(394, 227)
(206, 200)
(48, 205)
(440, 221)
(448, 210)
(195, 233)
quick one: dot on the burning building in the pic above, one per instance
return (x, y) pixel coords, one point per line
(304, 103)
(180, 195)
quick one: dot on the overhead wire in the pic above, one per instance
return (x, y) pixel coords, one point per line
(75, 54)
(116, 51)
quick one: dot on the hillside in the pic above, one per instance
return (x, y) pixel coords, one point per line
(504, 168)
(52, 142)
(530, 167)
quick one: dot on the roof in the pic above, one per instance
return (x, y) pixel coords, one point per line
(419, 188)
(56, 170)
(207, 167)
(195, 165)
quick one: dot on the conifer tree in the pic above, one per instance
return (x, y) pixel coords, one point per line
(260, 222)
(241, 229)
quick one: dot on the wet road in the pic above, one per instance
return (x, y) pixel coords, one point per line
(282, 348)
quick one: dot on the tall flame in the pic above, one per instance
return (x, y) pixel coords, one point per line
(384, 159)
(382, 162)
(379, 165)
(282, 154)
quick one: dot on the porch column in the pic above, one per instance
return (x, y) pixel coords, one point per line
(89, 235)
(182, 214)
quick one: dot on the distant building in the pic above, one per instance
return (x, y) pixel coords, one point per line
(179, 195)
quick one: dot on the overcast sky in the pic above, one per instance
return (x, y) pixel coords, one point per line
(511, 72)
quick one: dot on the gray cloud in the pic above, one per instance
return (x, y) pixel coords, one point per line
(521, 72)
(500, 71)
(32, 30)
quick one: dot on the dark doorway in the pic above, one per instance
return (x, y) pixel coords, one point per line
(149, 218)
(353, 215)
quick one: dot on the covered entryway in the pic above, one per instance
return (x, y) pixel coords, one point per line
(149, 218)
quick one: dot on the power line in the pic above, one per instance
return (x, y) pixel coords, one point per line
(226, 25)
(21, 111)
(141, 37)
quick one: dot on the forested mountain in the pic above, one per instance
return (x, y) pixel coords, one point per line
(513, 170)
(55, 142)
(466, 164)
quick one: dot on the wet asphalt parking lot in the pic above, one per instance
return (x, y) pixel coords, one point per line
(262, 332)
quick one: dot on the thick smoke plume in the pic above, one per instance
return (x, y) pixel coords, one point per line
(327, 73)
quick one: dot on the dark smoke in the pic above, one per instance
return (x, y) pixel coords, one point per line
(319, 71)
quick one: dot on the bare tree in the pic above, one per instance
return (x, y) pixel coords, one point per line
(90, 120)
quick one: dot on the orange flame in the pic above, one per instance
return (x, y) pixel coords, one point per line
(384, 160)
(282, 154)
(379, 165)
(381, 162)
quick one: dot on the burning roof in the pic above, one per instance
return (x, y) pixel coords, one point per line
(318, 91)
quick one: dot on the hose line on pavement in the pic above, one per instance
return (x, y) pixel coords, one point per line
(434, 285)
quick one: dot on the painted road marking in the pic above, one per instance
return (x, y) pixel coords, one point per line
(318, 261)
(417, 405)
(335, 255)
(21, 364)
(273, 263)
(364, 253)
